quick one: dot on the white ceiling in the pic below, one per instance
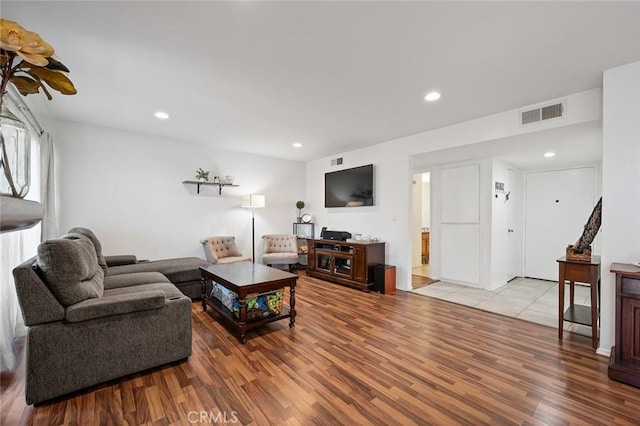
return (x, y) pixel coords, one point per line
(334, 76)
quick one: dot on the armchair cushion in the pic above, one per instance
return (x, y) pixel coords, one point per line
(115, 305)
(71, 269)
(280, 243)
(218, 248)
(280, 249)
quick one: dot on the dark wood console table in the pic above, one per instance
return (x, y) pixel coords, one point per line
(348, 263)
(624, 364)
(583, 272)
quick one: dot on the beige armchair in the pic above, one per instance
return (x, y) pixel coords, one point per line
(222, 250)
(280, 249)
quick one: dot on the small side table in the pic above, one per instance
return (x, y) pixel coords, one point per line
(583, 272)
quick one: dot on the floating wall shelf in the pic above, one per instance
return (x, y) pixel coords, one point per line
(198, 183)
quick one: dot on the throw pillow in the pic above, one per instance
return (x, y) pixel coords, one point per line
(96, 243)
(70, 269)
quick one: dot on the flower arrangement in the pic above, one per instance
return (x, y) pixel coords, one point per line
(27, 62)
(36, 64)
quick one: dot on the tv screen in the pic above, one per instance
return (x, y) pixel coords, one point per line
(349, 187)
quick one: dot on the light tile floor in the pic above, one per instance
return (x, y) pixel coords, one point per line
(524, 298)
(422, 270)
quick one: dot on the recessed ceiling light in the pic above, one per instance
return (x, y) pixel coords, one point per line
(549, 154)
(432, 96)
(161, 115)
(297, 145)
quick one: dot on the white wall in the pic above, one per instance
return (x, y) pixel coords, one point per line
(499, 235)
(390, 218)
(128, 188)
(620, 184)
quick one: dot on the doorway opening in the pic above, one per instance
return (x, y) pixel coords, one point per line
(421, 253)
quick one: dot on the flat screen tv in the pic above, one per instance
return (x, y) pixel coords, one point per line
(349, 187)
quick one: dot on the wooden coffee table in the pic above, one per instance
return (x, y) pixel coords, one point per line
(245, 278)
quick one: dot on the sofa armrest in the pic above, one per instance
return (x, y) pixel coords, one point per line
(115, 305)
(123, 259)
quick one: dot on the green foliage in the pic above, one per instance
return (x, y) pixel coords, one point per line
(201, 174)
(300, 205)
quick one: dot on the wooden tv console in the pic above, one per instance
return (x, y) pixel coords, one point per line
(348, 263)
(624, 364)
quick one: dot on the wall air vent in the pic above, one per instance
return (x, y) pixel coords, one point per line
(336, 161)
(546, 112)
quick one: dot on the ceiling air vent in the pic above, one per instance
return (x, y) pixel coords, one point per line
(547, 112)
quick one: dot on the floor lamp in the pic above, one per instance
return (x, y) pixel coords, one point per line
(253, 202)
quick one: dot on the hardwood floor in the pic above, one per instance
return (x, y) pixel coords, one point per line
(358, 358)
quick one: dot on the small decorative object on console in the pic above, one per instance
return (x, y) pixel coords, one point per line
(581, 250)
(305, 218)
(300, 206)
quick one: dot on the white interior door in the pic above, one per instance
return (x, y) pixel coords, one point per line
(515, 225)
(557, 206)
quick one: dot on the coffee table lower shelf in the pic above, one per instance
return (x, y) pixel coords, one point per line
(234, 323)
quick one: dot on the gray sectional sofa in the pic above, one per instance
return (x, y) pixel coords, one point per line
(86, 327)
(182, 272)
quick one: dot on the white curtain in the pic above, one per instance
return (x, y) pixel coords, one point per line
(15, 248)
(47, 192)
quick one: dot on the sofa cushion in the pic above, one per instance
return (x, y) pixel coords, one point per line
(177, 270)
(70, 269)
(133, 279)
(170, 291)
(96, 243)
(121, 259)
(115, 305)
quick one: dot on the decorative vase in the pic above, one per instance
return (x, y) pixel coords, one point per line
(15, 151)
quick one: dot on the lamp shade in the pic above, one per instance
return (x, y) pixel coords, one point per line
(253, 201)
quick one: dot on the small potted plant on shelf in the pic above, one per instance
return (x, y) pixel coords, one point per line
(201, 175)
(299, 206)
